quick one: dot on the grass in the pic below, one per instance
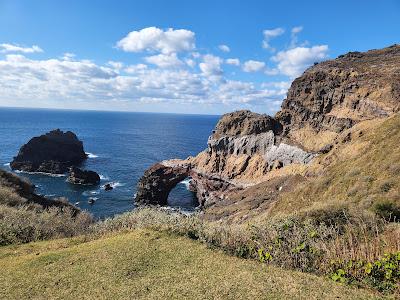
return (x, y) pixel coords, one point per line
(145, 264)
(362, 171)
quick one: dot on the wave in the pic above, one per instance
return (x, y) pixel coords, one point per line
(7, 165)
(186, 182)
(90, 193)
(40, 173)
(91, 155)
(103, 177)
(114, 184)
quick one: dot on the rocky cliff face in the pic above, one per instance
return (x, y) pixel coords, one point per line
(246, 149)
(53, 152)
(334, 95)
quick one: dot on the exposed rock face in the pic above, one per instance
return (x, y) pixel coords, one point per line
(244, 122)
(53, 152)
(247, 149)
(84, 177)
(156, 183)
(334, 95)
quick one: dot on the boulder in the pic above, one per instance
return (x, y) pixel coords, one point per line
(84, 177)
(108, 187)
(53, 152)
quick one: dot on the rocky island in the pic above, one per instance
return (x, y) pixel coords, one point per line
(54, 152)
(83, 177)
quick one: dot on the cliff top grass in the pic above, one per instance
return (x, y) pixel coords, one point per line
(144, 264)
(362, 171)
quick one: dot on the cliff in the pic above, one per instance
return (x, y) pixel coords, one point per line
(251, 158)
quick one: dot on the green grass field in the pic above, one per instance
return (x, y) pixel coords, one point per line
(145, 264)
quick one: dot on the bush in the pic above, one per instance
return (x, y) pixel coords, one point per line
(383, 273)
(388, 211)
(25, 224)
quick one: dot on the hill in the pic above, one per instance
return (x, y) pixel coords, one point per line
(150, 265)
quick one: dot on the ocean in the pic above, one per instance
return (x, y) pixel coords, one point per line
(120, 145)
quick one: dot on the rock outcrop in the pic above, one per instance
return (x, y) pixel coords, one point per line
(156, 183)
(334, 95)
(246, 150)
(83, 177)
(53, 152)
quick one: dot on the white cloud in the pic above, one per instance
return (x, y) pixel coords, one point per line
(233, 61)
(270, 34)
(294, 61)
(135, 68)
(76, 81)
(224, 48)
(117, 65)
(155, 39)
(9, 48)
(293, 35)
(211, 65)
(165, 60)
(190, 62)
(253, 66)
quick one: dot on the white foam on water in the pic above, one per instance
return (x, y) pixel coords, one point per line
(91, 155)
(7, 165)
(89, 193)
(103, 177)
(40, 173)
(186, 182)
(113, 184)
(51, 195)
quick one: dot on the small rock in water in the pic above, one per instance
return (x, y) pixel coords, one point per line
(91, 200)
(108, 187)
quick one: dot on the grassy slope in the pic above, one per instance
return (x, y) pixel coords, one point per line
(150, 265)
(361, 171)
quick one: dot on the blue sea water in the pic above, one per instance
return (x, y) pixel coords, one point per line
(121, 146)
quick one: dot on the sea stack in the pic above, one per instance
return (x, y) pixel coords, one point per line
(54, 152)
(83, 177)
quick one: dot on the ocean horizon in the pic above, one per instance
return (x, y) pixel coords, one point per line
(120, 147)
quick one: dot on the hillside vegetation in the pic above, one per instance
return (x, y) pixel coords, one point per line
(150, 265)
(361, 171)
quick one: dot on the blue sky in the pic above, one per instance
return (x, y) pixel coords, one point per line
(176, 56)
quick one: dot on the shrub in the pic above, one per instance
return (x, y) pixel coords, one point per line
(383, 273)
(24, 224)
(388, 210)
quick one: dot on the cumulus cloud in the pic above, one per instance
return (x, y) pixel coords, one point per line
(253, 66)
(270, 34)
(233, 61)
(224, 48)
(165, 60)
(156, 39)
(9, 48)
(294, 61)
(24, 79)
(211, 65)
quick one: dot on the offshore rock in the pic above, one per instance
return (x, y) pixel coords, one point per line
(54, 152)
(83, 177)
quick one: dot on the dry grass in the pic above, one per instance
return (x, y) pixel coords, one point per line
(363, 170)
(145, 264)
(23, 224)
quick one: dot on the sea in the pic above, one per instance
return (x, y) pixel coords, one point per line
(120, 147)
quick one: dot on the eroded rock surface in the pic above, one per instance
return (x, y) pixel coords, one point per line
(83, 177)
(247, 151)
(53, 152)
(156, 183)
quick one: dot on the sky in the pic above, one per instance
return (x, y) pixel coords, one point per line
(196, 57)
